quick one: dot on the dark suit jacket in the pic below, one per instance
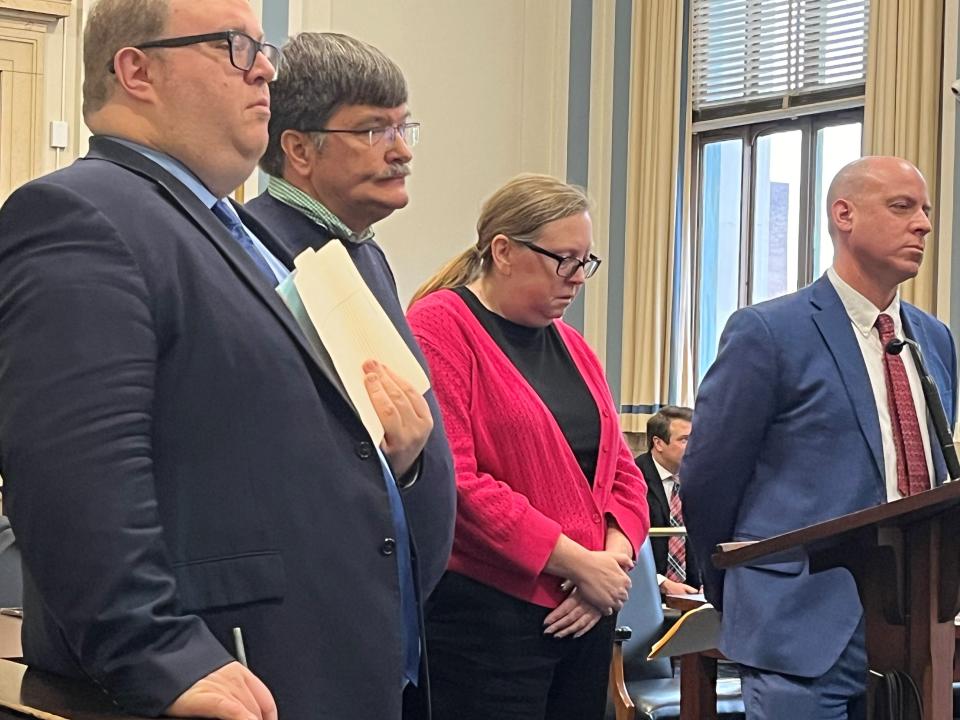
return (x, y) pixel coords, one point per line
(430, 500)
(786, 434)
(659, 505)
(179, 462)
(11, 585)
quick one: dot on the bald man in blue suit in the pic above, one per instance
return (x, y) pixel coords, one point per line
(792, 427)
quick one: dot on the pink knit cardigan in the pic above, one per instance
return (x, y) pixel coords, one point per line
(518, 483)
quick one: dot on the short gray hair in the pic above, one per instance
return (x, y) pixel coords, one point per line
(115, 24)
(320, 72)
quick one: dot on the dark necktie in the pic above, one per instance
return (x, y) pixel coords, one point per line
(676, 546)
(912, 474)
(225, 214)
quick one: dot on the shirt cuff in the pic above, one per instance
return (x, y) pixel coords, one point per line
(411, 475)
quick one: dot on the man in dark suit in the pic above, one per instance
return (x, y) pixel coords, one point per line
(804, 417)
(188, 480)
(338, 156)
(667, 433)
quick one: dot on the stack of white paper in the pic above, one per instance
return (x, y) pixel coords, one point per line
(334, 306)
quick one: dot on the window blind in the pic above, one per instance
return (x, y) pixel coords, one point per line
(747, 51)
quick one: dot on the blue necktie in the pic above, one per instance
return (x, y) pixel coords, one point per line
(409, 618)
(228, 217)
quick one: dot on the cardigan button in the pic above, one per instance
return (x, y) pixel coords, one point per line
(596, 518)
(388, 546)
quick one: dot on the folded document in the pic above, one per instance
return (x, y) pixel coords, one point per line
(695, 631)
(334, 307)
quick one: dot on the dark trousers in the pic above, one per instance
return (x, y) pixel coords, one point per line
(490, 659)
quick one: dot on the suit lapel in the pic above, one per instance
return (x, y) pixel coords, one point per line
(217, 233)
(834, 325)
(655, 486)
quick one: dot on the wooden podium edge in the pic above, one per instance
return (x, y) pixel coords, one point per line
(899, 512)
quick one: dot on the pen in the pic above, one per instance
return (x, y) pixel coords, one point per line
(238, 646)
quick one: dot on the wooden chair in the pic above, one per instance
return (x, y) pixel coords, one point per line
(642, 689)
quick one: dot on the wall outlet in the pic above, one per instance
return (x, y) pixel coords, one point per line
(59, 132)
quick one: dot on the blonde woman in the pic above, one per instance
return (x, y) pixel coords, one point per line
(551, 506)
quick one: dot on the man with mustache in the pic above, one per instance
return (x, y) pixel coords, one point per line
(207, 528)
(804, 417)
(338, 156)
(340, 145)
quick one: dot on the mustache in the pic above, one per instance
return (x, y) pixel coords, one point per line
(394, 171)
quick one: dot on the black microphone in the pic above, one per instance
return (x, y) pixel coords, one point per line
(934, 404)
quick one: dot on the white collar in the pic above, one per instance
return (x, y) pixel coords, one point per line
(863, 313)
(664, 473)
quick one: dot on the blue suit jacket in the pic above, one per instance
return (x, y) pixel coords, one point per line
(179, 461)
(785, 435)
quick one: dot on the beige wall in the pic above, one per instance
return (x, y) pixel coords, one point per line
(36, 87)
(489, 83)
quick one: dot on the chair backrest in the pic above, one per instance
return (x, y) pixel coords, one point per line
(11, 579)
(643, 613)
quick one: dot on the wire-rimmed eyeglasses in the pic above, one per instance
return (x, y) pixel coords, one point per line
(567, 265)
(243, 48)
(409, 131)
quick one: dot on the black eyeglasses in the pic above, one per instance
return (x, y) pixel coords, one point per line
(567, 266)
(243, 48)
(410, 132)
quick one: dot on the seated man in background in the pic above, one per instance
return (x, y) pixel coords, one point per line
(667, 433)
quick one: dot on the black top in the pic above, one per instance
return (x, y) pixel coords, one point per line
(544, 362)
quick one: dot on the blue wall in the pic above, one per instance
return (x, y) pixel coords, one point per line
(623, 19)
(578, 115)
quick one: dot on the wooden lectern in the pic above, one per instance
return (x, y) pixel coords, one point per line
(905, 557)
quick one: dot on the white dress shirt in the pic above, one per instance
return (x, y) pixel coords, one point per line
(863, 314)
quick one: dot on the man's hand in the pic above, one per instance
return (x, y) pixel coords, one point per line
(230, 693)
(671, 587)
(405, 415)
(574, 616)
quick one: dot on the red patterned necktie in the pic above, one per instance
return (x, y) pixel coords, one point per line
(676, 546)
(912, 475)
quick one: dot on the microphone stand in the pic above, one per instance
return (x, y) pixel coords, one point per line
(934, 404)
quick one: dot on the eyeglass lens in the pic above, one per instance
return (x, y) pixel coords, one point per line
(568, 267)
(243, 51)
(409, 131)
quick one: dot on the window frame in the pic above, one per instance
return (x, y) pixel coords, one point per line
(749, 134)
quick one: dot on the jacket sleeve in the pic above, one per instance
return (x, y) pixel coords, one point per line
(735, 405)
(78, 356)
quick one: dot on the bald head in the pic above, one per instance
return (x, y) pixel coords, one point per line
(861, 177)
(879, 211)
